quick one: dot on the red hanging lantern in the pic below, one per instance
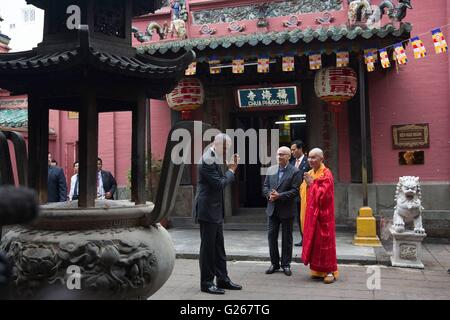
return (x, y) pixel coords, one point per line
(187, 96)
(336, 86)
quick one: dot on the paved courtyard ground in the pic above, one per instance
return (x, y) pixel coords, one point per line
(249, 258)
(395, 283)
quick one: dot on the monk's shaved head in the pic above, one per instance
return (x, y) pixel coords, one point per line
(317, 151)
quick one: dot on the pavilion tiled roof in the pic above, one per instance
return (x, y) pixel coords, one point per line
(321, 34)
(138, 64)
(13, 118)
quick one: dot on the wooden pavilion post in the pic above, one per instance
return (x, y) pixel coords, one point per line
(138, 194)
(88, 149)
(38, 146)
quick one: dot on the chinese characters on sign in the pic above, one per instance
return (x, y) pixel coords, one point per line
(410, 136)
(268, 97)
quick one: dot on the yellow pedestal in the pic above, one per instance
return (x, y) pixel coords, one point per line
(366, 231)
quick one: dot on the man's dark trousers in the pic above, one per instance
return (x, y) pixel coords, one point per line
(212, 253)
(286, 240)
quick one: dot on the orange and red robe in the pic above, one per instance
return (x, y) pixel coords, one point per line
(319, 236)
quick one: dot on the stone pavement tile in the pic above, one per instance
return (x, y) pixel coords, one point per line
(402, 273)
(387, 295)
(327, 291)
(416, 288)
(416, 285)
(416, 296)
(428, 257)
(444, 261)
(435, 268)
(438, 277)
(434, 246)
(440, 254)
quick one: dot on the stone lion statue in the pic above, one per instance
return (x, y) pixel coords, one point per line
(408, 208)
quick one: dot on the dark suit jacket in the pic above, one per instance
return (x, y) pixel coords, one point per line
(57, 188)
(209, 202)
(302, 168)
(109, 183)
(287, 187)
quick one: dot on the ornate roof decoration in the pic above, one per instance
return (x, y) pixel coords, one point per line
(271, 10)
(321, 34)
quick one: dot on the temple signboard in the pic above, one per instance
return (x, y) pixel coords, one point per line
(410, 136)
(277, 96)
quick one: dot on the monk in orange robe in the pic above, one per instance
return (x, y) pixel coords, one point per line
(317, 207)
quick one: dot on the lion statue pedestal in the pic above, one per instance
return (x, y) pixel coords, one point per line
(407, 230)
(407, 249)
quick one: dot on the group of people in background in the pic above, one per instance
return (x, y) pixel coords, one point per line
(57, 187)
(298, 186)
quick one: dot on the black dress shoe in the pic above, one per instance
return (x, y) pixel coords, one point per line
(299, 244)
(272, 269)
(228, 284)
(213, 290)
(287, 271)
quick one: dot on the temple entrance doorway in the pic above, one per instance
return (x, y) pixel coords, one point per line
(292, 125)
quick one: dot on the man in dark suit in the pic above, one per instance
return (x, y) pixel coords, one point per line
(106, 184)
(281, 189)
(300, 161)
(208, 211)
(57, 188)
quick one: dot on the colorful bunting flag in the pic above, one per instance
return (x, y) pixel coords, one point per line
(418, 48)
(214, 66)
(315, 61)
(384, 57)
(440, 45)
(394, 58)
(400, 54)
(263, 65)
(191, 70)
(370, 61)
(374, 53)
(288, 63)
(342, 58)
(238, 65)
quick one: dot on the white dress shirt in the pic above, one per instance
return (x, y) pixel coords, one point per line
(100, 190)
(73, 181)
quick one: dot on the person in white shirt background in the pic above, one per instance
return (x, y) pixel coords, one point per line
(73, 193)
